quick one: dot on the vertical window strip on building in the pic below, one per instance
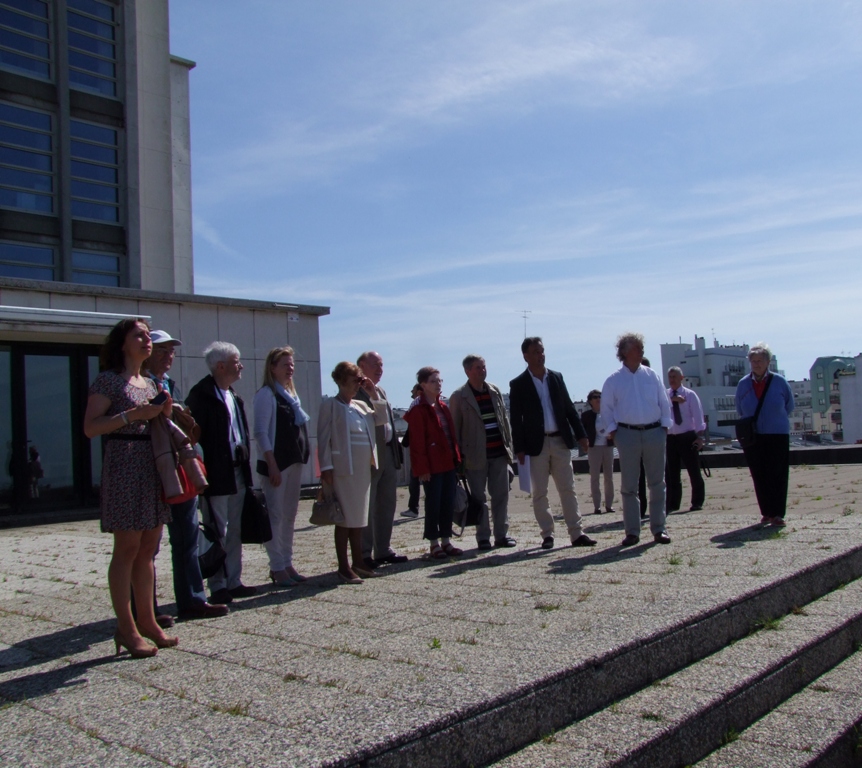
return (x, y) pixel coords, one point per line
(26, 159)
(25, 40)
(92, 46)
(28, 261)
(95, 172)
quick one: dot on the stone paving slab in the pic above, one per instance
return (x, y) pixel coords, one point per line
(314, 674)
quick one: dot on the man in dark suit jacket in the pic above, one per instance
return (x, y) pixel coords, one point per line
(377, 536)
(545, 427)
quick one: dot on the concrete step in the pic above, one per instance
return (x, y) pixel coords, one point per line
(686, 715)
(819, 726)
(527, 715)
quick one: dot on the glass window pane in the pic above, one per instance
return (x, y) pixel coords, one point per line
(49, 417)
(28, 273)
(24, 138)
(92, 152)
(93, 132)
(91, 25)
(23, 23)
(25, 117)
(92, 44)
(93, 8)
(98, 261)
(36, 7)
(27, 201)
(95, 445)
(12, 60)
(5, 423)
(91, 64)
(27, 253)
(94, 278)
(94, 172)
(85, 210)
(38, 182)
(92, 83)
(23, 43)
(95, 191)
(27, 159)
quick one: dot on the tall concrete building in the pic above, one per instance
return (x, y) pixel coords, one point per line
(96, 225)
(850, 393)
(713, 372)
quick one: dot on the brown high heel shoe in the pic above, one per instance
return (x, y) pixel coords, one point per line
(135, 653)
(161, 642)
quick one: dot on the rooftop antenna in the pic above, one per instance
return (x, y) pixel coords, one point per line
(524, 313)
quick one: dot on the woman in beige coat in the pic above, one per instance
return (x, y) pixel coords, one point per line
(347, 451)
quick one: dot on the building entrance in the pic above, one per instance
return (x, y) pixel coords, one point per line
(48, 462)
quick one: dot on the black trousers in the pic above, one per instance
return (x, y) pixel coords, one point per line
(681, 453)
(769, 463)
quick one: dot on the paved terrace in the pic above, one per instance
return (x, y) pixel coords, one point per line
(434, 663)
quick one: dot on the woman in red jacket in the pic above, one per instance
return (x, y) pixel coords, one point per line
(434, 455)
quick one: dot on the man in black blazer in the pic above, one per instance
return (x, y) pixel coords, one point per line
(545, 427)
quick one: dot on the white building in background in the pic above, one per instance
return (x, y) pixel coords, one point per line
(95, 225)
(850, 391)
(802, 417)
(713, 372)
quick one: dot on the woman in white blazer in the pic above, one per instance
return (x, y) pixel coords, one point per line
(347, 452)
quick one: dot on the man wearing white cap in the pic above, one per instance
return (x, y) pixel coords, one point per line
(183, 530)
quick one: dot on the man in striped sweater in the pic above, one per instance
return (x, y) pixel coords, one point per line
(485, 438)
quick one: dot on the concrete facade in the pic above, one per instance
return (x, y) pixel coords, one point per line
(54, 318)
(826, 394)
(850, 393)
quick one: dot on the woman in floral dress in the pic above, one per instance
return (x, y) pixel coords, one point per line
(131, 501)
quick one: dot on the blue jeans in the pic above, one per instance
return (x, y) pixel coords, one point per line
(439, 505)
(183, 532)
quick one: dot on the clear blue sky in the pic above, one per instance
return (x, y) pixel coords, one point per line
(429, 170)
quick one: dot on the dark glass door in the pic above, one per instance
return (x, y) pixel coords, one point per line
(48, 462)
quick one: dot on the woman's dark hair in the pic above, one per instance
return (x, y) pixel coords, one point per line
(111, 356)
(423, 374)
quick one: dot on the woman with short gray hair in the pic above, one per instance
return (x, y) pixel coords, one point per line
(768, 455)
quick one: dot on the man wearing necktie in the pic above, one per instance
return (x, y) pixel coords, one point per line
(684, 439)
(377, 535)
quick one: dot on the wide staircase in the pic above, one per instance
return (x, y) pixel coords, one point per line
(772, 680)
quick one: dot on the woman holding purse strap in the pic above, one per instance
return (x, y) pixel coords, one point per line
(280, 428)
(769, 456)
(130, 497)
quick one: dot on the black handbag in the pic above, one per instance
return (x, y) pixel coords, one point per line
(211, 554)
(746, 427)
(468, 510)
(255, 527)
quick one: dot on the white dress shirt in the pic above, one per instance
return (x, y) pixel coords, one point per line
(691, 411)
(547, 407)
(637, 399)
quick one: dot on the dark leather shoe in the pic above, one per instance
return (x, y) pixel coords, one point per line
(548, 542)
(508, 541)
(630, 541)
(484, 545)
(597, 511)
(695, 508)
(242, 591)
(221, 597)
(584, 541)
(370, 563)
(203, 611)
(661, 538)
(164, 621)
(610, 510)
(393, 559)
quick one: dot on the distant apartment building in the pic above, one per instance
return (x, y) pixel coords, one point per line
(713, 372)
(826, 403)
(850, 393)
(801, 419)
(95, 226)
